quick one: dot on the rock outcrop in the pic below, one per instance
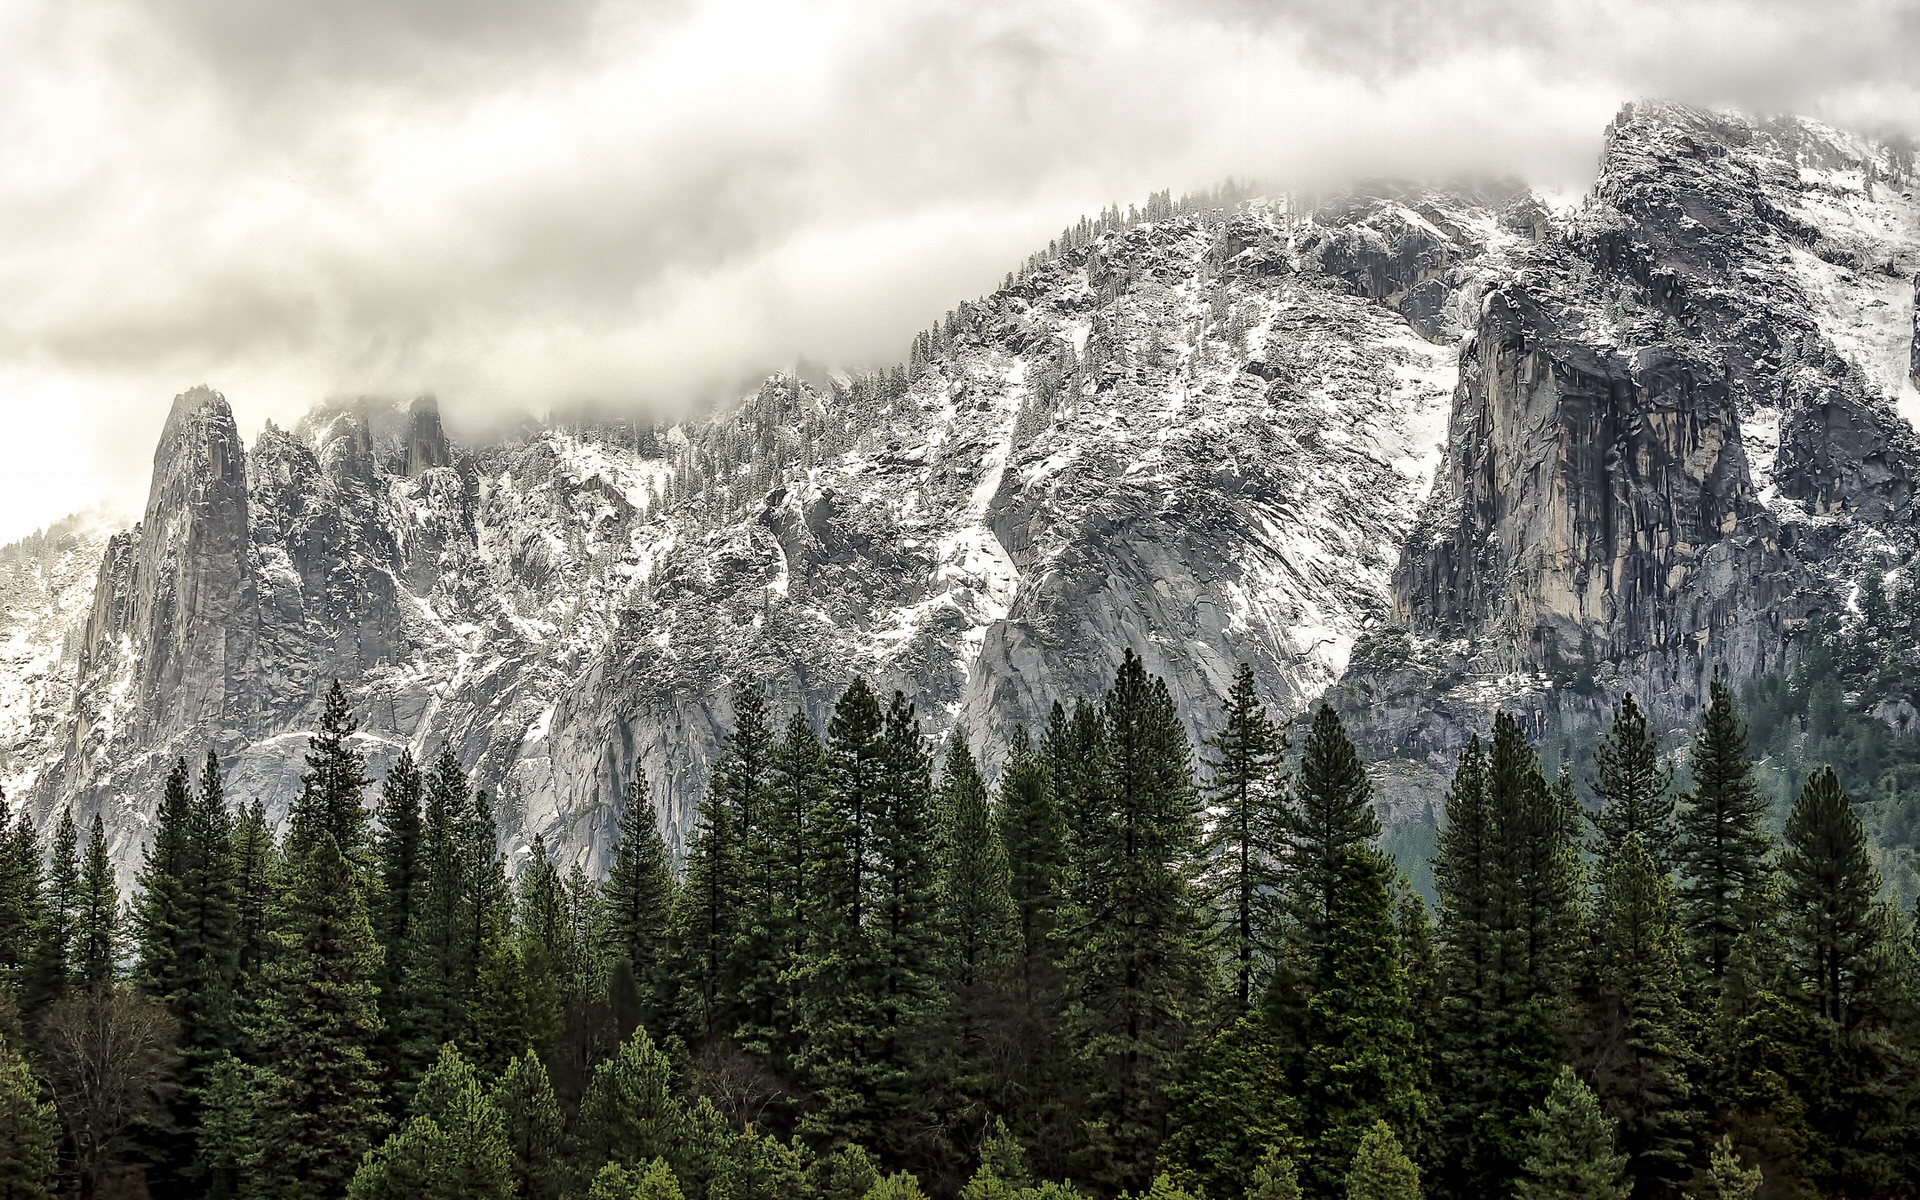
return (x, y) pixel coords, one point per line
(1675, 434)
(1437, 450)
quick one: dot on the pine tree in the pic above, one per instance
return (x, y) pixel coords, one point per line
(906, 926)
(1332, 815)
(1508, 881)
(530, 1120)
(1360, 1063)
(29, 1134)
(1033, 835)
(162, 960)
(637, 898)
(770, 1001)
(397, 844)
(1839, 968)
(454, 1148)
(1463, 877)
(1274, 1179)
(629, 1115)
(497, 1011)
(1632, 781)
(97, 929)
(440, 962)
(1723, 846)
(20, 899)
(1570, 1148)
(706, 915)
(322, 1026)
(1381, 1170)
(1641, 1055)
(839, 975)
(54, 965)
(1232, 1104)
(1247, 834)
(1727, 1179)
(256, 874)
(331, 789)
(1140, 957)
(545, 943)
(978, 944)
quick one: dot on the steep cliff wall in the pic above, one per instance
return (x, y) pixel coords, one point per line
(1674, 441)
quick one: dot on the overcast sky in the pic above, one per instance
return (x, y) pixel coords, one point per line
(523, 203)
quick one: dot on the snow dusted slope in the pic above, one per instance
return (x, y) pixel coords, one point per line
(1679, 437)
(46, 587)
(1202, 436)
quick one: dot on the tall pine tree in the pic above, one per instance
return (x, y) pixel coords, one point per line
(637, 898)
(331, 790)
(1840, 968)
(1247, 835)
(1141, 956)
(1633, 784)
(1723, 844)
(323, 1111)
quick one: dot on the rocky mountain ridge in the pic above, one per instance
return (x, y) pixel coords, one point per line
(1440, 448)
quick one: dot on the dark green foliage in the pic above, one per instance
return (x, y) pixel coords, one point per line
(29, 1134)
(1033, 836)
(1509, 920)
(706, 920)
(544, 934)
(458, 905)
(1381, 1169)
(1232, 1105)
(20, 899)
(330, 792)
(906, 931)
(979, 949)
(256, 872)
(1841, 969)
(1032, 985)
(839, 974)
(532, 1127)
(776, 922)
(1332, 814)
(1247, 835)
(54, 966)
(637, 900)
(1639, 1029)
(1140, 957)
(322, 1110)
(1570, 1151)
(397, 844)
(1723, 844)
(97, 928)
(1362, 1062)
(1633, 783)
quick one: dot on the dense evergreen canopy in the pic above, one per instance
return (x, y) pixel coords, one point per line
(1078, 966)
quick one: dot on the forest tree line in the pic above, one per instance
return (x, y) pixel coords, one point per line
(874, 977)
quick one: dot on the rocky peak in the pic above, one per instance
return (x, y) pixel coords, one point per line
(426, 444)
(173, 616)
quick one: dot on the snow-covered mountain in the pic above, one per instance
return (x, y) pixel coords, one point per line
(1471, 435)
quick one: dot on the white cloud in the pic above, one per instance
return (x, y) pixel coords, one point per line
(516, 203)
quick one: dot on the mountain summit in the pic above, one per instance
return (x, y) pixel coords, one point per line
(1435, 449)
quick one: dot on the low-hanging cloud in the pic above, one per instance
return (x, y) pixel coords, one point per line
(518, 204)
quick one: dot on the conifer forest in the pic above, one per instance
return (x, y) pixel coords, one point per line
(1131, 967)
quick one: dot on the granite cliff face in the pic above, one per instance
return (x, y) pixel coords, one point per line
(1199, 434)
(1678, 435)
(1436, 450)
